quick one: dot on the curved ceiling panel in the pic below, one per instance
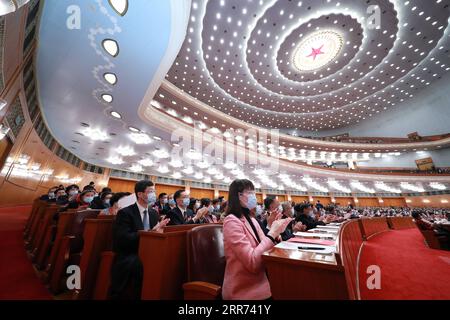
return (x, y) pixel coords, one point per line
(239, 57)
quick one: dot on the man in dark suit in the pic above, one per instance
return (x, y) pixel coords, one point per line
(127, 271)
(179, 214)
(305, 215)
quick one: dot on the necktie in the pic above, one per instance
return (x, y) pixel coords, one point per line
(145, 221)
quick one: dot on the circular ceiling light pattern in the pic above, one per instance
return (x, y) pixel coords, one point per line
(317, 50)
(111, 46)
(119, 6)
(111, 78)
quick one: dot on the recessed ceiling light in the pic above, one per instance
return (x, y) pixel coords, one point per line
(157, 138)
(111, 78)
(116, 115)
(111, 47)
(107, 98)
(120, 6)
(133, 129)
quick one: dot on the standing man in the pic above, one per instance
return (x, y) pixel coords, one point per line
(127, 271)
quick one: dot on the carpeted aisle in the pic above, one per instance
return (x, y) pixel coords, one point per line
(409, 269)
(18, 280)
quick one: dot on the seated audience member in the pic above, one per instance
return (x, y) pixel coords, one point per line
(244, 243)
(82, 201)
(192, 208)
(442, 234)
(305, 215)
(170, 205)
(126, 271)
(208, 216)
(216, 206)
(163, 199)
(50, 195)
(99, 201)
(179, 215)
(319, 205)
(72, 191)
(288, 212)
(272, 211)
(114, 208)
(61, 197)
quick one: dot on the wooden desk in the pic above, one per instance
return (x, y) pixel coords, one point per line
(298, 275)
(295, 274)
(164, 257)
(399, 223)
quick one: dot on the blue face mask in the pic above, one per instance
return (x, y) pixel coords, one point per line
(211, 209)
(171, 202)
(252, 201)
(186, 202)
(88, 199)
(107, 204)
(151, 197)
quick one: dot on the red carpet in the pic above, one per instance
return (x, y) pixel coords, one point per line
(409, 269)
(18, 280)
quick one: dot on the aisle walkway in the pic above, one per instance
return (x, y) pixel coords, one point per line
(18, 279)
(409, 269)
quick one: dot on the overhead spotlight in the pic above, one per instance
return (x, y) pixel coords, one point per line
(125, 151)
(146, 162)
(133, 129)
(95, 134)
(115, 160)
(107, 98)
(136, 168)
(111, 78)
(116, 115)
(111, 47)
(140, 138)
(120, 6)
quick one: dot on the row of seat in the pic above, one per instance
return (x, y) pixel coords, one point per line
(55, 240)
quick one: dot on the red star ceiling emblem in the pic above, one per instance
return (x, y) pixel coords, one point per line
(316, 52)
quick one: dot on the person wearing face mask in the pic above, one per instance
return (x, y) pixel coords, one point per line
(209, 216)
(127, 271)
(272, 208)
(305, 215)
(244, 243)
(82, 201)
(194, 205)
(61, 197)
(162, 201)
(99, 200)
(178, 214)
(50, 196)
(114, 208)
(288, 212)
(72, 192)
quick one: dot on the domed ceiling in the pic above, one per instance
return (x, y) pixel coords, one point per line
(312, 64)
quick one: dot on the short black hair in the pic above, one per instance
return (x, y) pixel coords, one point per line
(106, 189)
(104, 194)
(205, 202)
(215, 201)
(88, 187)
(117, 196)
(177, 194)
(416, 214)
(140, 186)
(301, 207)
(268, 201)
(91, 183)
(161, 195)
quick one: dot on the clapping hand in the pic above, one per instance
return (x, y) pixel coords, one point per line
(278, 226)
(160, 225)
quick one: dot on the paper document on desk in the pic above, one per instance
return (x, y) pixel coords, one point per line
(314, 235)
(317, 230)
(328, 227)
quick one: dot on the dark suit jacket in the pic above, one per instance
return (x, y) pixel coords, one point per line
(97, 203)
(127, 268)
(309, 222)
(177, 217)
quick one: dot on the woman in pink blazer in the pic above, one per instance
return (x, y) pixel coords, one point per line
(244, 243)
